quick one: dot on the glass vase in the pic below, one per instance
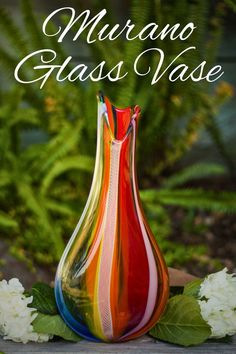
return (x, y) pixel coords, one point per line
(112, 281)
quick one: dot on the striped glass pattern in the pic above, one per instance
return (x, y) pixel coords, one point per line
(112, 281)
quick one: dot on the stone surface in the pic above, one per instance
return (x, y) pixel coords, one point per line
(143, 345)
(179, 277)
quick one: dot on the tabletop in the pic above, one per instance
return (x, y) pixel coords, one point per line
(143, 345)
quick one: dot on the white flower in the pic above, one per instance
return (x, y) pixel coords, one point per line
(218, 303)
(15, 316)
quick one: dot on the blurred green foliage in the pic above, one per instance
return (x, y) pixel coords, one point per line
(45, 180)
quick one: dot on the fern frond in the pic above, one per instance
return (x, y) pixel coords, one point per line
(31, 154)
(7, 62)
(6, 222)
(197, 171)
(216, 135)
(231, 4)
(58, 147)
(5, 178)
(13, 33)
(60, 208)
(34, 33)
(27, 194)
(82, 163)
(224, 202)
(25, 116)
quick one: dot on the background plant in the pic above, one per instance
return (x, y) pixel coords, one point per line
(48, 136)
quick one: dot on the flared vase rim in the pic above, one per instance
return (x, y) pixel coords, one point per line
(135, 112)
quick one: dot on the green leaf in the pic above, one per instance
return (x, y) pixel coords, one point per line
(182, 323)
(192, 288)
(54, 325)
(43, 299)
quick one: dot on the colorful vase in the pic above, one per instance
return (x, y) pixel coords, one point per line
(112, 281)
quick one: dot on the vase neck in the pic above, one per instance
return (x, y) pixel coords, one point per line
(116, 140)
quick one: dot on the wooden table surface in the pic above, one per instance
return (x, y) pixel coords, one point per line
(143, 345)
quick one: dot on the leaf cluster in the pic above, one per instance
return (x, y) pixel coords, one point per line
(48, 320)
